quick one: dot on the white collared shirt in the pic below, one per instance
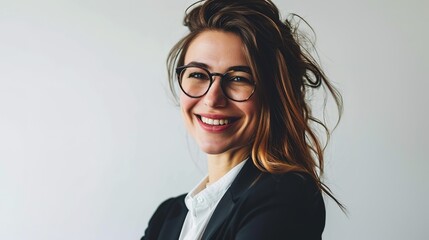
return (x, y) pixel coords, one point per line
(202, 201)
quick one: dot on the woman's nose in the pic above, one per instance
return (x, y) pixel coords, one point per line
(215, 97)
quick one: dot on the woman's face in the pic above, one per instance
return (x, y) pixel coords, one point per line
(219, 125)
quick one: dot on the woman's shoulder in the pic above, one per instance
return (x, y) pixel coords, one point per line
(293, 181)
(287, 189)
(170, 208)
(282, 188)
(171, 201)
(288, 205)
(167, 205)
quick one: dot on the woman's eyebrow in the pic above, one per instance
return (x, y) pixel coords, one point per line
(232, 68)
(240, 68)
(198, 64)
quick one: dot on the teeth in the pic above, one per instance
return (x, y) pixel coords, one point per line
(215, 122)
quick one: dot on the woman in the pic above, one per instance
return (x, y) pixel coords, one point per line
(244, 82)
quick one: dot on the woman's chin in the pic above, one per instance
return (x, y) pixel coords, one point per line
(212, 150)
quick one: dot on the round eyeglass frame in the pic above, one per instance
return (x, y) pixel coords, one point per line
(211, 75)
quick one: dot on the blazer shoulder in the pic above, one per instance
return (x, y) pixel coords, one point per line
(166, 204)
(298, 189)
(297, 182)
(290, 184)
(165, 209)
(280, 206)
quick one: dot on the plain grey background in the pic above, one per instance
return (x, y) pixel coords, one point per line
(91, 143)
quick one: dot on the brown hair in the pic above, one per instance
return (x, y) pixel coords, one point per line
(284, 71)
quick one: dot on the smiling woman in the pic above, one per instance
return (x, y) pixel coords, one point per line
(244, 78)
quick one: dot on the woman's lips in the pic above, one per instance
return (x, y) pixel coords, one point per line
(215, 123)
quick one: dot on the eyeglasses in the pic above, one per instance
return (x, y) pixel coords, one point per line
(237, 84)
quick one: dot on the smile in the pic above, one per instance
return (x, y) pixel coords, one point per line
(214, 122)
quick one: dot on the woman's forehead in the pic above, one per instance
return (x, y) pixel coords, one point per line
(216, 49)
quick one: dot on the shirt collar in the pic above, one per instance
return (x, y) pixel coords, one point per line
(203, 197)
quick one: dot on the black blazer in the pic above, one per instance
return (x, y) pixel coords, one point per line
(257, 206)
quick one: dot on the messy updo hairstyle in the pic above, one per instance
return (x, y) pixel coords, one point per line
(284, 71)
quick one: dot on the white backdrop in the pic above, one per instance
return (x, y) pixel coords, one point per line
(91, 143)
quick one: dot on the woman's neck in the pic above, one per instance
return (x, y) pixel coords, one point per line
(220, 164)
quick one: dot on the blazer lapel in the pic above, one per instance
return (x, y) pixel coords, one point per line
(244, 180)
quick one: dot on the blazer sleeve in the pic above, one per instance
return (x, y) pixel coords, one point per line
(292, 210)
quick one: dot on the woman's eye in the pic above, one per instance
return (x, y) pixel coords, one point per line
(197, 75)
(238, 79)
